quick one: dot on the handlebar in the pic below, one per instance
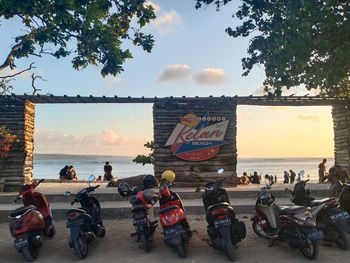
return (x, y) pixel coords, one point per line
(19, 197)
(39, 182)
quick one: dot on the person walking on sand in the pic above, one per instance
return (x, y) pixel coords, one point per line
(108, 172)
(286, 177)
(322, 171)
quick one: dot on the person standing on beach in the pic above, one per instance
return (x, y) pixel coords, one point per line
(322, 171)
(108, 172)
(292, 176)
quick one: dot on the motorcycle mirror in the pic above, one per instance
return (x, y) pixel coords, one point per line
(221, 171)
(67, 193)
(92, 178)
(301, 173)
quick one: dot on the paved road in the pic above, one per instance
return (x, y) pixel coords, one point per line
(118, 246)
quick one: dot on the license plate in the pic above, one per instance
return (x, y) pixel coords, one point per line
(317, 235)
(170, 232)
(75, 223)
(340, 216)
(222, 222)
(21, 241)
(140, 221)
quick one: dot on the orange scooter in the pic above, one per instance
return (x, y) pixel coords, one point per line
(29, 223)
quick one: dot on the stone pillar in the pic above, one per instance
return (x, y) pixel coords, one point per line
(17, 167)
(341, 125)
(194, 138)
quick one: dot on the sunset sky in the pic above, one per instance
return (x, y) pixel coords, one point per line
(192, 56)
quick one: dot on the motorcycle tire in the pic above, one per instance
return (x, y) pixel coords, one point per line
(30, 252)
(50, 231)
(343, 240)
(181, 250)
(230, 250)
(256, 230)
(310, 250)
(81, 247)
(101, 231)
(146, 245)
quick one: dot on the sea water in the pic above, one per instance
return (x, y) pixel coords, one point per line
(48, 166)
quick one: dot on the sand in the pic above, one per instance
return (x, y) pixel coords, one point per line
(118, 246)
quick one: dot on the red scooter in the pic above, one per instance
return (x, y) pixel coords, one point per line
(172, 217)
(30, 222)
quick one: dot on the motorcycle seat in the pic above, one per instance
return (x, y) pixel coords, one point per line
(168, 209)
(21, 210)
(284, 209)
(320, 201)
(218, 205)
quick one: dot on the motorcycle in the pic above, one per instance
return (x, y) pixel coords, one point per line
(224, 230)
(344, 199)
(31, 222)
(330, 218)
(293, 224)
(172, 217)
(85, 223)
(142, 200)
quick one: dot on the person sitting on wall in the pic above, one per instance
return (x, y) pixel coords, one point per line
(71, 173)
(108, 172)
(255, 178)
(99, 179)
(245, 179)
(63, 173)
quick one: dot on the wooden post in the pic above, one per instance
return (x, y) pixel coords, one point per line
(18, 117)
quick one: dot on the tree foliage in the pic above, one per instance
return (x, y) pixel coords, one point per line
(298, 42)
(143, 159)
(91, 31)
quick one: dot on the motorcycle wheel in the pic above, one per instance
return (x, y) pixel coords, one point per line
(343, 239)
(181, 250)
(258, 230)
(81, 247)
(145, 242)
(101, 231)
(230, 250)
(50, 231)
(310, 250)
(30, 252)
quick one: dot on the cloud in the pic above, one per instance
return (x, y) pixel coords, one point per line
(175, 72)
(106, 142)
(309, 117)
(167, 22)
(211, 76)
(110, 80)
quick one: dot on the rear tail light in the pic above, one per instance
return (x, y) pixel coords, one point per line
(331, 203)
(219, 211)
(73, 215)
(220, 217)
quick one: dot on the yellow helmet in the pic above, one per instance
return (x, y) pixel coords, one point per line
(168, 176)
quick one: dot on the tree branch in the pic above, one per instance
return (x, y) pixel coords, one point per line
(9, 59)
(18, 73)
(35, 90)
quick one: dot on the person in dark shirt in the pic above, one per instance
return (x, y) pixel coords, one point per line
(292, 176)
(63, 173)
(322, 171)
(108, 172)
(255, 178)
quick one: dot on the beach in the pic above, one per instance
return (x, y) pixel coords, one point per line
(118, 246)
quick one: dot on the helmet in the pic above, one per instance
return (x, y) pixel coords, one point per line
(124, 189)
(150, 196)
(149, 181)
(168, 176)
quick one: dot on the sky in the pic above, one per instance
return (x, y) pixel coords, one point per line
(192, 56)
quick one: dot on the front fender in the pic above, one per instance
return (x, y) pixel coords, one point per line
(225, 232)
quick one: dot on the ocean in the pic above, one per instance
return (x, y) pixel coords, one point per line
(48, 166)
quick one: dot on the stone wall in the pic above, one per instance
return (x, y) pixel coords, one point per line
(18, 117)
(341, 125)
(168, 113)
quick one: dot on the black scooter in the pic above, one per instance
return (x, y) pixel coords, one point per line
(330, 218)
(224, 230)
(85, 223)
